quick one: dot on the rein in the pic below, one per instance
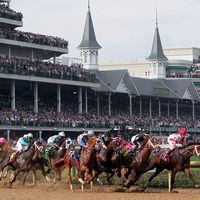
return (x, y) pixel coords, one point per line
(40, 148)
(195, 150)
(151, 144)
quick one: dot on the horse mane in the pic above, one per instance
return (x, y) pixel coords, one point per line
(91, 141)
(7, 146)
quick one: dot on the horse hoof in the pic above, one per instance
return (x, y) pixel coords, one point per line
(120, 189)
(48, 179)
(9, 185)
(174, 191)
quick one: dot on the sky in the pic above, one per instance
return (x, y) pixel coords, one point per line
(124, 28)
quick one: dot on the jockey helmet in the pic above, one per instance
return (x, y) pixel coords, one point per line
(62, 134)
(25, 136)
(30, 135)
(90, 133)
(182, 131)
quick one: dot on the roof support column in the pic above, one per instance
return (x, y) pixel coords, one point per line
(109, 104)
(168, 114)
(13, 95)
(150, 109)
(98, 104)
(35, 97)
(177, 109)
(9, 51)
(140, 107)
(80, 100)
(54, 59)
(159, 107)
(130, 105)
(32, 55)
(58, 98)
(193, 110)
(40, 134)
(86, 101)
(8, 135)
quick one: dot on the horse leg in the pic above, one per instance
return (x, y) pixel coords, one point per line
(43, 173)
(158, 170)
(109, 176)
(34, 176)
(127, 173)
(134, 177)
(189, 175)
(172, 180)
(68, 169)
(24, 177)
(13, 178)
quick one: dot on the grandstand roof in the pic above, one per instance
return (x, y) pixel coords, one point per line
(152, 87)
(89, 38)
(157, 50)
(118, 81)
(184, 88)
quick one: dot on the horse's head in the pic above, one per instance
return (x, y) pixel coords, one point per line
(151, 143)
(102, 149)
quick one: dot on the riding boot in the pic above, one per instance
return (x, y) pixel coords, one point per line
(14, 156)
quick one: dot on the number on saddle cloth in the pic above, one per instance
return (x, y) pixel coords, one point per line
(166, 154)
(74, 154)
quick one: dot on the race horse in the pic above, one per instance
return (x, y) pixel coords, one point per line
(179, 161)
(55, 154)
(25, 161)
(141, 160)
(89, 160)
(5, 153)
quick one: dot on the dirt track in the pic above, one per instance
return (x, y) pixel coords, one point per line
(61, 193)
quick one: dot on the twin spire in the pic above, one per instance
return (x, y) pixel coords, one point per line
(157, 50)
(89, 38)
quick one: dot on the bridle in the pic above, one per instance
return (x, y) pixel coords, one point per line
(149, 142)
(39, 148)
(195, 150)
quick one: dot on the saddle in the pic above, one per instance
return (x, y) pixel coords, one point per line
(166, 155)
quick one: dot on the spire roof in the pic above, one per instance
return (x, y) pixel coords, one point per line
(157, 50)
(89, 38)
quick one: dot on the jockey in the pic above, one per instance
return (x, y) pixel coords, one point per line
(2, 142)
(82, 138)
(56, 140)
(22, 145)
(137, 140)
(177, 139)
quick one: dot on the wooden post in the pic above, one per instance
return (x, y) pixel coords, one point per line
(169, 182)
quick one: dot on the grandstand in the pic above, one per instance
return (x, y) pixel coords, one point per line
(45, 97)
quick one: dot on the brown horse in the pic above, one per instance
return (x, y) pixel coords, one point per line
(5, 153)
(179, 161)
(141, 160)
(88, 162)
(25, 161)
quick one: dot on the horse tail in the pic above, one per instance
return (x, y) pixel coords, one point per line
(59, 163)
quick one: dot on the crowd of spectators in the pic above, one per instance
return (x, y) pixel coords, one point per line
(12, 34)
(69, 117)
(6, 12)
(45, 69)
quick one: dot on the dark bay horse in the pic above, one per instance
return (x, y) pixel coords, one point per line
(141, 160)
(179, 161)
(53, 161)
(25, 161)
